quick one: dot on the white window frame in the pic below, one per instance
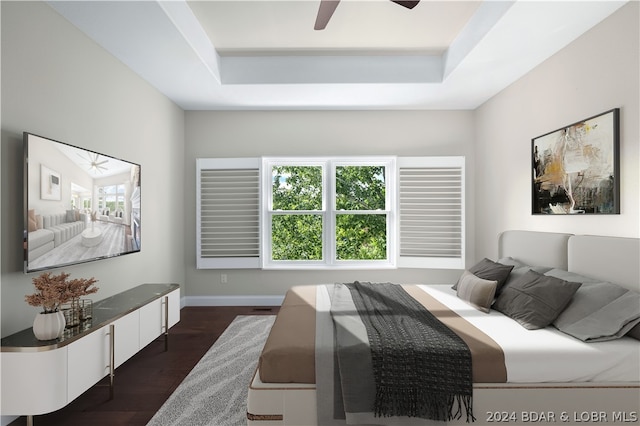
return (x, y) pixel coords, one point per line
(119, 194)
(329, 212)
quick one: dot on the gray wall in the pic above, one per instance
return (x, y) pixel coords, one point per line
(264, 133)
(58, 83)
(597, 72)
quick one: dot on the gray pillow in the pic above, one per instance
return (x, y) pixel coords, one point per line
(535, 300)
(518, 272)
(570, 276)
(477, 292)
(634, 332)
(490, 270)
(511, 261)
(600, 311)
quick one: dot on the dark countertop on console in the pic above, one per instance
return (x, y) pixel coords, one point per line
(104, 312)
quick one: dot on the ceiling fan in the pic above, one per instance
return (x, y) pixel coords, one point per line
(94, 163)
(327, 7)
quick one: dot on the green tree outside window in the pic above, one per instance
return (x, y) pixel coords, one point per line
(361, 234)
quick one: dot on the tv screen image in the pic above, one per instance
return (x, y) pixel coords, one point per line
(79, 205)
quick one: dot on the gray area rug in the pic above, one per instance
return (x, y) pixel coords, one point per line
(215, 391)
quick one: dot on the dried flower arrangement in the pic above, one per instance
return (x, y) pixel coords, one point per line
(54, 290)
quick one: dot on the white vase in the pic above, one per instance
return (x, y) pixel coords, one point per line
(48, 326)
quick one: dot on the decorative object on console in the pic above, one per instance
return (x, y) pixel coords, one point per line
(48, 325)
(52, 292)
(71, 312)
(77, 311)
(576, 168)
(86, 309)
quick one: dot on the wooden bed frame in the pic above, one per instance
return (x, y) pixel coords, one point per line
(613, 259)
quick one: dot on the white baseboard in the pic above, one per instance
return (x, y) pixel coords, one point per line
(233, 300)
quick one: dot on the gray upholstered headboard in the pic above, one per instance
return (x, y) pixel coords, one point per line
(613, 259)
(535, 248)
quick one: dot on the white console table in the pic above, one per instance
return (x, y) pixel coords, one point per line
(39, 377)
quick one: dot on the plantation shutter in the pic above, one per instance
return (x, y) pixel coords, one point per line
(228, 213)
(431, 212)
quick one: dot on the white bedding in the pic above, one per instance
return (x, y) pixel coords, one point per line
(548, 355)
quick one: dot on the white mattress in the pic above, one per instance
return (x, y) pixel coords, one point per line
(548, 355)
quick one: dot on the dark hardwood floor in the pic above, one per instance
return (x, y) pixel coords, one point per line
(144, 382)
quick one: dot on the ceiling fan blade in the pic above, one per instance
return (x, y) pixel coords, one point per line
(102, 162)
(325, 11)
(409, 4)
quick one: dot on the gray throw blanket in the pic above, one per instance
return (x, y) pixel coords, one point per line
(421, 368)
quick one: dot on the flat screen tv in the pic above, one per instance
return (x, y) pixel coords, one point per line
(79, 205)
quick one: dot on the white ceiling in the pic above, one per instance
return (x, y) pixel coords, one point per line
(373, 54)
(95, 165)
(280, 27)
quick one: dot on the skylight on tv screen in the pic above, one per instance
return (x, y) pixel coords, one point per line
(80, 205)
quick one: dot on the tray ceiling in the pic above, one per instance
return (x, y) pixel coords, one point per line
(373, 54)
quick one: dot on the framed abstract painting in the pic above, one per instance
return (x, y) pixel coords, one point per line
(576, 168)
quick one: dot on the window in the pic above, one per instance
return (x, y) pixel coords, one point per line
(328, 213)
(323, 213)
(111, 197)
(296, 213)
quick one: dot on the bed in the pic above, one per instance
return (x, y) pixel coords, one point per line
(558, 378)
